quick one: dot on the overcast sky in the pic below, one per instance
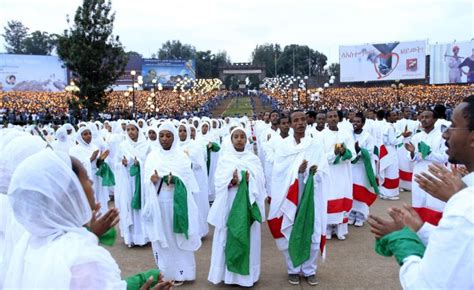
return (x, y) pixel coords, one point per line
(238, 26)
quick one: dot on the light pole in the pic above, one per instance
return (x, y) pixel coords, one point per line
(71, 89)
(306, 90)
(156, 97)
(295, 99)
(133, 73)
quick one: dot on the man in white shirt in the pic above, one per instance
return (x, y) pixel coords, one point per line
(426, 147)
(448, 261)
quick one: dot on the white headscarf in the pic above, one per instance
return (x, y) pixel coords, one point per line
(173, 160)
(84, 151)
(62, 142)
(49, 201)
(138, 149)
(192, 148)
(15, 152)
(47, 197)
(156, 143)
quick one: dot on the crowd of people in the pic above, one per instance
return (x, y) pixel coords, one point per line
(318, 172)
(45, 107)
(362, 98)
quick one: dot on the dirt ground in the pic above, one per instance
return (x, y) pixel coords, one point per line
(349, 264)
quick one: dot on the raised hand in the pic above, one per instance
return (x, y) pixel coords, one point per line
(406, 134)
(357, 147)
(155, 177)
(136, 161)
(410, 147)
(235, 178)
(124, 161)
(442, 184)
(94, 155)
(161, 285)
(104, 155)
(303, 166)
(170, 179)
(381, 227)
(408, 216)
(313, 169)
(99, 225)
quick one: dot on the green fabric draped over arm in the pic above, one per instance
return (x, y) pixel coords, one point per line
(137, 194)
(424, 149)
(347, 155)
(108, 238)
(299, 245)
(104, 171)
(214, 148)
(136, 281)
(401, 244)
(180, 206)
(369, 170)
(241, 217)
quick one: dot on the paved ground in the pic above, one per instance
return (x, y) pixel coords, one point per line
(350, 264)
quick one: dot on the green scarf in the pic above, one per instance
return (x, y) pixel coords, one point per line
(104, 171)
(136, 281)
(299, 246)
(137, 197)
(401, 244)
(180, 206)
(214, 148)
(424, 149)
(347, 155)
(108, 238)
(241, 217)
(369, 170)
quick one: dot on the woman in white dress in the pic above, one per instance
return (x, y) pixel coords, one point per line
(91, 156)
(194, 151)
(130, 186)
(210, 144)
(236, 214)
(170, 212)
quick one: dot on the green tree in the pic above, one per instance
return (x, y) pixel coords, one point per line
(39, 43)
(15, 35)
(301, 60)
(268, 55)
(94, 55)
(134, 53)
(174, 49)
(334, 70)
(207, 63)
(292, 60)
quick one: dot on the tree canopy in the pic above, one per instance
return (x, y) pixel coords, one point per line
(94, 55)
(19, 41)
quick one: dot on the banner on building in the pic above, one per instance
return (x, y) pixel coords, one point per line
(383, 61)
(32, 73)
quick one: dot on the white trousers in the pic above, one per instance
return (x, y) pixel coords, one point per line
(309, 267)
